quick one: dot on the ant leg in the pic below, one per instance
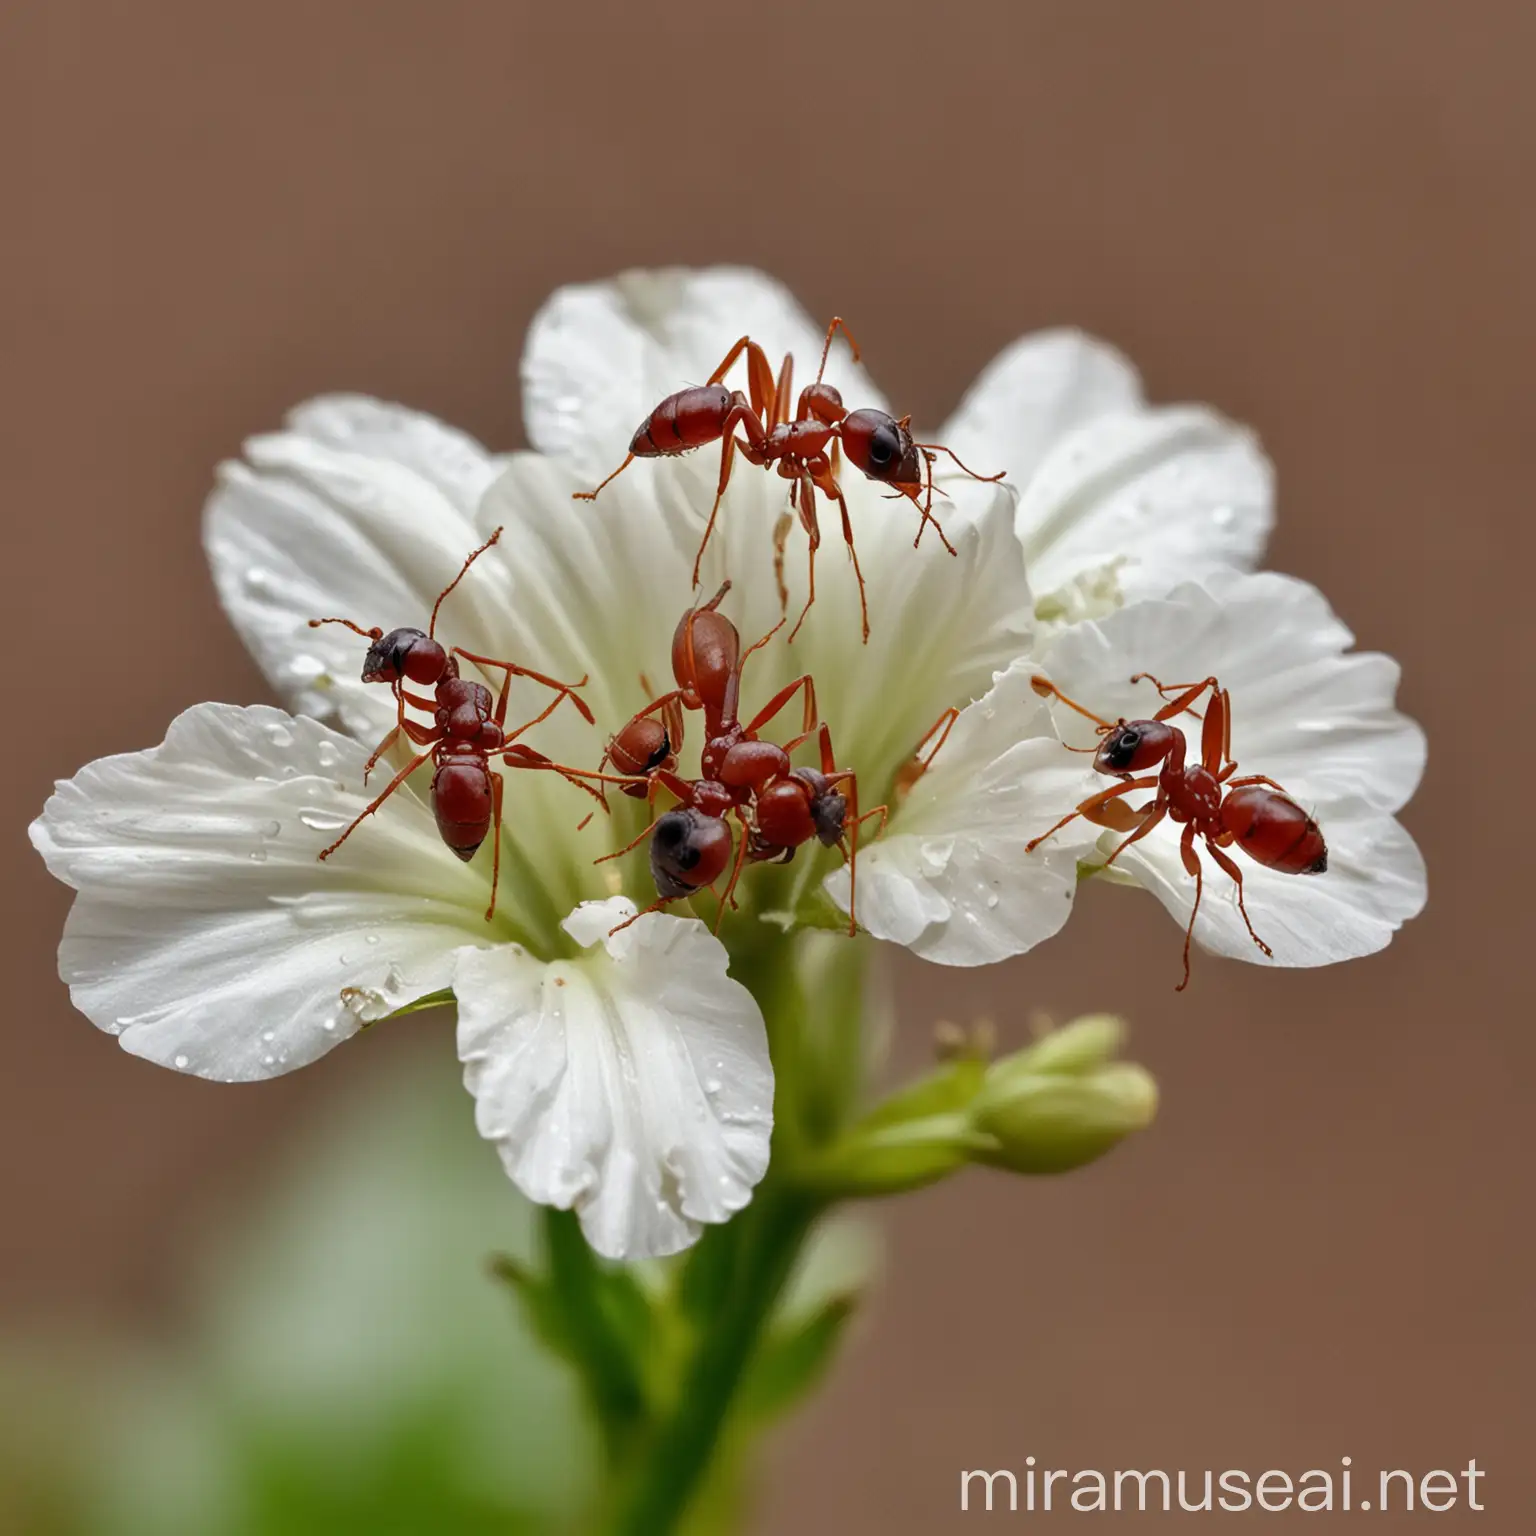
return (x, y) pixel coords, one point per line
(826, 346)
(519, 756)
(376, 802)
(1237, 879)
(780, 700)
(1192, 864)
(1216, 732)
(759, 374)
(655, 906)
(1048, 690)
(741, 414)
(661, 779)
(474, 555)
(757, 645)
(947, 721)
(1154, 816)
(511, 669)
(883, 812)
(780, 541)
(497, 785)
(812, 528)
(1256, 778)
(830, 487)
(1092, 804)
(629, 459)
(726, 900)
(783, 393)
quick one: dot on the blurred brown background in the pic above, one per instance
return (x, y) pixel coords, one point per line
(1318, 216)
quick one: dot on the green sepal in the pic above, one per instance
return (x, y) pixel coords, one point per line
(795, 1357)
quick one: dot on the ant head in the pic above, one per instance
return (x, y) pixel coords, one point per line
(828, 807)
(404, 654)
(642, 747)
(689, 851)
(1129, 746)
(882, 447)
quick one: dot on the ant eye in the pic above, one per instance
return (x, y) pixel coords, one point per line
(884, 445)
(659, 756)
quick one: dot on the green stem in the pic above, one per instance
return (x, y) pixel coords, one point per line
(679, 1454)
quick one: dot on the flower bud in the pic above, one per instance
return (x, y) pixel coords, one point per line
(1062, 1102)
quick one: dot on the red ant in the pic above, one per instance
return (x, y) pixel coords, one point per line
(878, 444)
(466, 732)
(1254, 812)
(780, 807)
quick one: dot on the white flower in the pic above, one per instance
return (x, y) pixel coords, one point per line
(1306, 712)
(1115, 495)
(618, 1069)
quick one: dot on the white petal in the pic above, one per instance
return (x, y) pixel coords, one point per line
(206, 935)
(360, 509)
(951, 878)
(1320, 721)
(600, 356)
(1375, 882)
(1032, 394)
(632, 1084)
(1171, 494)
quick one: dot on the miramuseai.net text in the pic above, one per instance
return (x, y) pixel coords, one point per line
(1344, 1489)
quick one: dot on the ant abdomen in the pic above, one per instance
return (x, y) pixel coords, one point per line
(462, 802)
(689, 419)
(1274, 831)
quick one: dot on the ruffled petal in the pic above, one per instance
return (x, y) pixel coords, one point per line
(359, 509)
(1032, 394)
(1168, 495)
(1375, 882)
(600, 356)
(951, 879)
(632, 1084)
(206, 935)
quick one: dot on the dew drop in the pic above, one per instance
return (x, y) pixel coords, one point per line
(322, 821)
(992, 899)
(259, 855)
(328, 1025)
(370, 938)
(327, 754)
(714, 1085)
(272, 829)
(394, 981)
(936, 854)
(182, 1063)
(269, 1061)
(268, 1036)
(279, 735)
(258, 581)
(1223, 517)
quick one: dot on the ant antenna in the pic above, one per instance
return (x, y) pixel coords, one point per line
(940, 448)
(463, 571)
(826, 346)
(357, 629)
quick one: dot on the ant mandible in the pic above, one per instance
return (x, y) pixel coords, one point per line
(878, 444)
(1253, 813)
(466, 732)
(780, 807)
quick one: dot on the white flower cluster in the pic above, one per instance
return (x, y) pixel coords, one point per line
(625, 1073)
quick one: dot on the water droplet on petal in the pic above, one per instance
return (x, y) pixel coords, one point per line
(936, 854)
(257, 581)
(327, 754)
(182, 1063)
(279, 735)
(1223, 517)
(259, 855)
(322, 821)
(269, 1036)
(370, 938)
(714, 1085)
(992, 899)
(272, 829)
